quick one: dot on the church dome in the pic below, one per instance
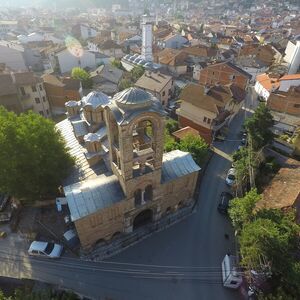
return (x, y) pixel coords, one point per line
(95, 99)
(133, 98)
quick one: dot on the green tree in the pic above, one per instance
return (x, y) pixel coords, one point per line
(33, 157)
(83, 76)
(124, 84)
(169, 142)
(171, 125)
(117, 63)
(258, 127)
(241, 209)
(196, 145)
(136, 73)
(272, 238)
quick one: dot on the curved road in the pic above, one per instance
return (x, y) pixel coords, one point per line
(182, 262)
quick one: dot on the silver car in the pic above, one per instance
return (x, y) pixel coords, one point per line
(45, 249)
(230, 178)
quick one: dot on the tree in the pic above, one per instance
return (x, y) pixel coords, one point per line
(124, 84)
(258, 127)
(136, 73)
(196, 145)
(117, 63)
(83, 76)
(241, 209)
(272, 239)
(171, 125)
(33, 157)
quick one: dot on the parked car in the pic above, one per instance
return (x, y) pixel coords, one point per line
(244, 139)
(5, 217)
(230, 178)
(45, 249)
(223, 205)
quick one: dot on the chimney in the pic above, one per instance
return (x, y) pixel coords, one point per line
(206, 89)
(13, 77)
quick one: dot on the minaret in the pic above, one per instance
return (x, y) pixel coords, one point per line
(147, 38)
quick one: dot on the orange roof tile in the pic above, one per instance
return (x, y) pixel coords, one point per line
(267, 82)
(290, 77)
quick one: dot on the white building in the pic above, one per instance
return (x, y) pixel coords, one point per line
(292, 56)
(265, 85)
(12, 55)
(84, 31)
(288, 81)
(7, 26)
(67, 61)
(38, 37)
(147, 38)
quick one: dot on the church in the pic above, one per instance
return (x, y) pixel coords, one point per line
(123, 179)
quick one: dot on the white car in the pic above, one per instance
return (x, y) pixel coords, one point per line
(230, 178)
(50, 250)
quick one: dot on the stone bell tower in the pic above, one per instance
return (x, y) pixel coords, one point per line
(135, 122)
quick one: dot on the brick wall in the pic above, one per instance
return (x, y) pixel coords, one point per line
(285, 102)
(205, 133)
(221, 73)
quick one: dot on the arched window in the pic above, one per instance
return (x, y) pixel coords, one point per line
(138, 197)
(142, 135)
(148, 193)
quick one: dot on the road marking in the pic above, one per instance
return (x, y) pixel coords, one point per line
(221, 153)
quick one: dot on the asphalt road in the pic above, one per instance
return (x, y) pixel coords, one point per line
(182, 262)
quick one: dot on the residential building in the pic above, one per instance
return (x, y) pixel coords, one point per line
(7, 25)
(208, 109)
(173, 41)
(285, 108)
(173, 60)
(288, 81)
(12, 55)
(106, 79)
(158, 84)
(61, 90)
(143, 184)
(66, 60)
(292, 56)
(111, 49)
(266, 84)
(23, 91)
(83, 31)
(224, 73)
(284, 190)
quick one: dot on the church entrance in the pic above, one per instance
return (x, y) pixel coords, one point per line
(143, 218)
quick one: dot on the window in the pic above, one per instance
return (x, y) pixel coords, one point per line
(213, 73)
(37, 100)
(22, 91)
(163, 93)
(44, 98)
(208, 121)
(204, 119)
(41, 87)
(41, 113)
(47, 112)
(297, 105)
(33, 88)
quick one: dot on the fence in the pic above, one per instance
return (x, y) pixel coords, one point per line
(107, 250)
